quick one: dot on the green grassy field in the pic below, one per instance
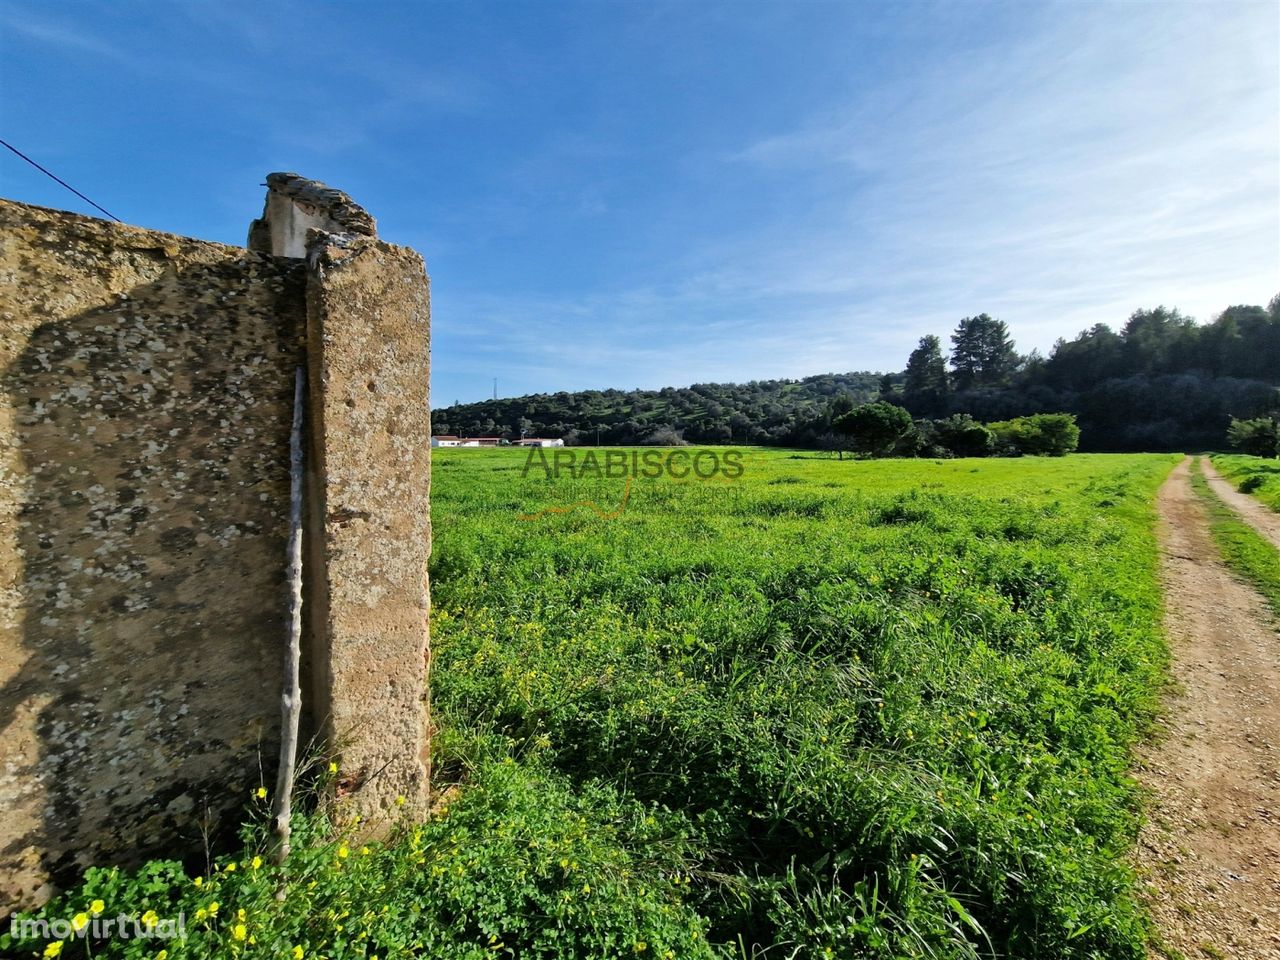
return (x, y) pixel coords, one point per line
(1253, 475)
(886, 703)
(826, 709)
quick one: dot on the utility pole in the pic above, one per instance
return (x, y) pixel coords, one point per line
(495, 388)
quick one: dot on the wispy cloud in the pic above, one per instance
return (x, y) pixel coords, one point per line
(57, 32)
(1112, 157)
(1121, 154)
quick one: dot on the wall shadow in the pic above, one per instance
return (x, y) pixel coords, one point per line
(153, 447)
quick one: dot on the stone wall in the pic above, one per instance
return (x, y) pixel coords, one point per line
(146, 389)
(371, 469)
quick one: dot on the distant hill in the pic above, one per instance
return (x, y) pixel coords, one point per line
(761, 411)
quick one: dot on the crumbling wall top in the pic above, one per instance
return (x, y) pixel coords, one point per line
(295, 205)
(335, 204)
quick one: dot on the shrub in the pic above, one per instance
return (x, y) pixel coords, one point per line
(1043, 434)
(1258, 438)
(964, 436)
(663, 436)
(876, 429)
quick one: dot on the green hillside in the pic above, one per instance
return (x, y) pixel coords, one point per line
(761, 411)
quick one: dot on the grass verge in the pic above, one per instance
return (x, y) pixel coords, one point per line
(1252, 475)
(1245, 551)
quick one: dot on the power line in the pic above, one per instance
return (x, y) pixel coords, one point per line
(61, 181)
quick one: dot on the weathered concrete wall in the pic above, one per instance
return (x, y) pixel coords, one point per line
(369, 316)
(145, 405)
(144, 422)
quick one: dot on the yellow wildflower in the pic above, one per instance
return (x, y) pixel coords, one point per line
(213, 909)
(400, 801)
(53, 949)
(198, 881)
(97, 907)
(150, 918)
(364, 851)
(333, 767)
(262, 793)
(343, 852)
(239, 931)
(256, 862)
(79, 922)
(231, 867)
(297, 953)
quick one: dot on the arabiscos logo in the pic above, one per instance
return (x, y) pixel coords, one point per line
(628, 465)
(678, 464)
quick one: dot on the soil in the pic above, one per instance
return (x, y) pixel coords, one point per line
(1210, 850)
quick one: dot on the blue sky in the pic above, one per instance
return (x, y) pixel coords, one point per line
(647, 194)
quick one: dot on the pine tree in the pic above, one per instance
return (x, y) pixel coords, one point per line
(982, 353)
(925, 380)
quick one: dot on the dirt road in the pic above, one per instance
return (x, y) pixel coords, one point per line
(1210, 851)
(1259, 516)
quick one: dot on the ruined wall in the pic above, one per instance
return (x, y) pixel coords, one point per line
(145, 399)
(146, 387)
(368, 312)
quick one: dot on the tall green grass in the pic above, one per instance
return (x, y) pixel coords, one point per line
(891, 700)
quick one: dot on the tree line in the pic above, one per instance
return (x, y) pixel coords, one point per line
(768, 412)
(1160, 382)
